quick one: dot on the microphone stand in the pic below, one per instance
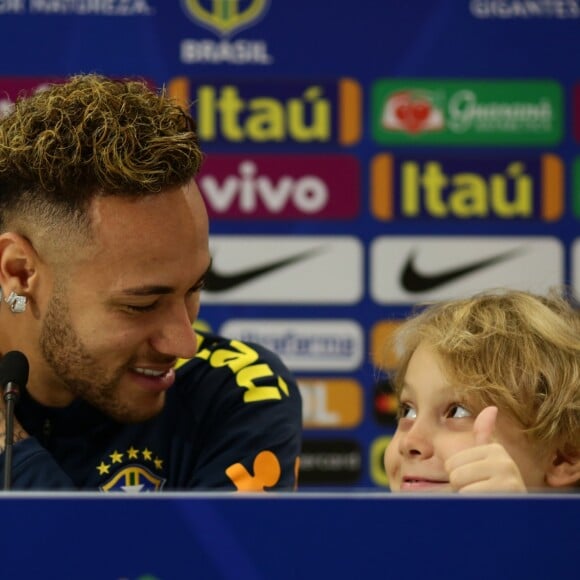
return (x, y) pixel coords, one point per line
(11, 393)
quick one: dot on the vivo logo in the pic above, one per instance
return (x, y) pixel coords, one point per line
(281, 186)
(309, 193)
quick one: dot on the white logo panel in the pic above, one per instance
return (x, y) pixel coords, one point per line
(304, 345)
(575, 275)
(405, 270)
(285, 270)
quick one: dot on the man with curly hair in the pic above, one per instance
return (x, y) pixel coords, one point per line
(103, 254)
(489, 396)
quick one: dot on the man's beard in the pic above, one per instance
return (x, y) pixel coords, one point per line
(78, 370)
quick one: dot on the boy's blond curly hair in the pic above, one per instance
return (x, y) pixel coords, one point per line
(512, 349)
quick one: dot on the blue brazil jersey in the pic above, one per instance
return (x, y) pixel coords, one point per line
(232, 421)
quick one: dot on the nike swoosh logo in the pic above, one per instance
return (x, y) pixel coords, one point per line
(415, 281)
(220, 282)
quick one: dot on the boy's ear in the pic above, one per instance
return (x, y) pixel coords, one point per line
(564, 470)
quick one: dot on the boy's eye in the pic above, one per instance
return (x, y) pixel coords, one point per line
(458, 412)
(406, 411)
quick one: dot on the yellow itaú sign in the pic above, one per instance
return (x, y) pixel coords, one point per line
(226, 16)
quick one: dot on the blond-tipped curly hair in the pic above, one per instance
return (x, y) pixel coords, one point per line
(512, 349)
(92, 136)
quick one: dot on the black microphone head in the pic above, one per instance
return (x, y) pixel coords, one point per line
(14, 368)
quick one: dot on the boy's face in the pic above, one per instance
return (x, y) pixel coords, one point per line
(436, 422)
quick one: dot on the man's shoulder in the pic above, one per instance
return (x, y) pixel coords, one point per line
(218, 351)
(234, 365)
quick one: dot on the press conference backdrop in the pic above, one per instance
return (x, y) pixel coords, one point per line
(361, 157)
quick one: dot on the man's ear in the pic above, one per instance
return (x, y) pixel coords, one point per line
(18, 263)
(564, 470)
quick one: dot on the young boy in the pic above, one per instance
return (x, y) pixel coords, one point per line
(489, 396)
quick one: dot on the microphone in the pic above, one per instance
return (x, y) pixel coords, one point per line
(13, 376)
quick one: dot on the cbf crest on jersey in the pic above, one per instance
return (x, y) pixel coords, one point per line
(132, 470)
(134, 479)
(226, 17)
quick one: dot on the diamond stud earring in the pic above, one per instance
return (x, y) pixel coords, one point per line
(17, 302)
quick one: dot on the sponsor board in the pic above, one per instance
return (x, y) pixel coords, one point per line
(575, 259)
(462, 188)
(90, 8)
(377, 469)
(576, 113)
(225, 19)
(405, 270)
(276, 113)
(384, 359)
(281, 186)
(467, 112)
(13, 87)
(383, 354)
(336, 462)
(304, 344)
(576, 186)
(240, 52)
(289, 270)
(330, 403)
(516, 10)
(385, 403)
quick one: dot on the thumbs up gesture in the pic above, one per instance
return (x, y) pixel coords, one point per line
(486, 466)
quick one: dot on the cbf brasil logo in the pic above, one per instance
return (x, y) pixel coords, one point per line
(226, 17)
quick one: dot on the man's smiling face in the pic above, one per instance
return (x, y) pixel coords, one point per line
(112, 331)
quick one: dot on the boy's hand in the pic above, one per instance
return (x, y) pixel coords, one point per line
(486, 466)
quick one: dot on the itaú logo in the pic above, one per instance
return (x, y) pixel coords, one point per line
(226, 17)
(483, 188)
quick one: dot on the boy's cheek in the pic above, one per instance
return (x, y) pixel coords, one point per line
(387, 458)
(391, 463)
